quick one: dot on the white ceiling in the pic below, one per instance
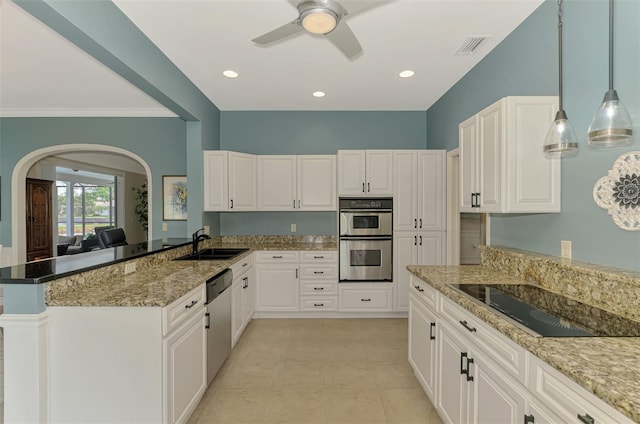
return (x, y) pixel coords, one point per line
(40, 70)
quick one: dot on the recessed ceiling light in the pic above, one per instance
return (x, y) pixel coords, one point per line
(408, 73)
(319, 94)
(230, 74)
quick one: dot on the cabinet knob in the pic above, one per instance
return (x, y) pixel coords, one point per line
(586, 419)
(529, 419)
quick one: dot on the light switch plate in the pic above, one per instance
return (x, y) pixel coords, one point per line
(164, 226)
(294, 228)
(565, 248)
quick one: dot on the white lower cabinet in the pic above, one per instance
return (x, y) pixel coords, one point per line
(127, 364)
(242, 297)
(277, 281)
(365, 297)
(474, 374)
(319, 281)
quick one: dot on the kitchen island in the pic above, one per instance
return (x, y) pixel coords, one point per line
(103, 335)
(608, 367)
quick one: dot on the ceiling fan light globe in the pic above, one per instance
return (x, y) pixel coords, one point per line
(319, 21)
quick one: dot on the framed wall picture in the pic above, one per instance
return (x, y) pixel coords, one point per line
(174, 197)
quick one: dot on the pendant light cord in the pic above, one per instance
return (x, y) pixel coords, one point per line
(610, 44)
(560, 54)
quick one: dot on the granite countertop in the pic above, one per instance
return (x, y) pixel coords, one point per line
(162, 280)
(608, 367)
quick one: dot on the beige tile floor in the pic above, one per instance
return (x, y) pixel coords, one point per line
(317, 371)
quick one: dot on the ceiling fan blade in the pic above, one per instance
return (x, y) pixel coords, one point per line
(355, 7)
(344, 39)
(280, 33)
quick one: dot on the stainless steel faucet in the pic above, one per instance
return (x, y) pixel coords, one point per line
(196, 238)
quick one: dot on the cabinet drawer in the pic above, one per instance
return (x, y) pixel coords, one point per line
(242, 265)
(318, 288)
(566, 399)
(319, 272)
(365, 299)
(278, 256)
(182, 309)
(511, 357)
(424, 291)
(319, 303)
(319, 256)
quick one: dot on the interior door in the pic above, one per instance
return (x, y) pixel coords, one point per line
(39, 202)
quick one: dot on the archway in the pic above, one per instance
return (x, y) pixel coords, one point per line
(18, 199)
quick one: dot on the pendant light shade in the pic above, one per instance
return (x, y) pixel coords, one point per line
(611, 127)
(561, 140)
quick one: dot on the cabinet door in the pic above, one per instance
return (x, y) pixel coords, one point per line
(430, 248)
(316, 189)
(422, 345)
(431, 208)
(351, 173)
(494, 397)
(242, 182)
(468, 168)
(276, 183)
(452, 388)
(405, 248)
(277, 288)
(186, 369)
(405, 184)
(492, 157)
(237, 321)
(248, 297)
(216, 181)
(379, 172)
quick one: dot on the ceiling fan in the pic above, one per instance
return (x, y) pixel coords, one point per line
(323, 17)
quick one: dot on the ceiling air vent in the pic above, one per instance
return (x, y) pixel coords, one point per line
(471, 45)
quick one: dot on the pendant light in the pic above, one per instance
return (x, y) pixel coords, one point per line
(561, 140)
(611, 127)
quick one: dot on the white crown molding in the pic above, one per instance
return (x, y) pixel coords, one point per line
(86, 112)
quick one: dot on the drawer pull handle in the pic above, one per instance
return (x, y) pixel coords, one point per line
(318, 257)
(432, 327)
(366, 300)
(529, 419)
(318, 272)
(418, 288)
(208, 315)
(318, 288)
(586, 419)
(245, 264)
(318, 304)
(465, 324)
(191, 305)
(277, 257)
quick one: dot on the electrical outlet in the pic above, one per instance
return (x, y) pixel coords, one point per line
(565, 248)
(207, 230)
(164, 226)
(129, 268)
(294, 228)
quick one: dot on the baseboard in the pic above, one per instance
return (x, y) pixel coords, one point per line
(258, 315)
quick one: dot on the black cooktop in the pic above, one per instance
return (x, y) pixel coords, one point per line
(546, 314)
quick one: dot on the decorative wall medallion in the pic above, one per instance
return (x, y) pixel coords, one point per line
(619, 192)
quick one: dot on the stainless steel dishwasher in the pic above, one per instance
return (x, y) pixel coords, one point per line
(218, 321)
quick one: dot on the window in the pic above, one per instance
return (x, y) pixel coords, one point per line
(85, 201)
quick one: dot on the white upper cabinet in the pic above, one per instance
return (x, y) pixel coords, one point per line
(229, 181)
(365, 172)
(305, 182)
(502, 167)
(316, 183)
(419, 188)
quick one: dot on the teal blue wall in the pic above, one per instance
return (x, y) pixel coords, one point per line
(293, 133)
(526, 64)
(159, 141)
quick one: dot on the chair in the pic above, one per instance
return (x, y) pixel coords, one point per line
(112, 238)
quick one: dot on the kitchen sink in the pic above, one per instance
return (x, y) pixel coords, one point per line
(215, 253)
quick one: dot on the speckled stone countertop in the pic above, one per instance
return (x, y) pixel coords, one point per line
(159, 280)
(609, 367)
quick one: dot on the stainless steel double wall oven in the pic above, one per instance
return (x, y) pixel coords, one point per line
(366, 239)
